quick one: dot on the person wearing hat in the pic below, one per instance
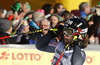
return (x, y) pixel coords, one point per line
(21, 27)
(6, 30)
(34, 21)
(37, 17)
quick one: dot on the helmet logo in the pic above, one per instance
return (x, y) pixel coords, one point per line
(79, 25)
(69, 22)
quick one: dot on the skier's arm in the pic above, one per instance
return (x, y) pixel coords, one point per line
(42, 43)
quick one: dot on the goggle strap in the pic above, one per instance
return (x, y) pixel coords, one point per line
(79, 29)
(78, 34)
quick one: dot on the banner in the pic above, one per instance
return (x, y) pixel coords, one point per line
(25, 57)
(12, 56)
(92, 58)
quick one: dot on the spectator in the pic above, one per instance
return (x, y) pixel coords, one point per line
(23, 27)
(29, 17)
(92, 10)
(18, 12)
(54, 19)
(96, 26)
(9, 15)
(58, 8)
(90, 21)
(98, 19)
(6, 30)
(33, 26)
(92, 31)
(25, 7)
(84, 9)
(34, 19)
(97, 9)
(44, 24)
(48, 8)
(2, 13)
(42, 11)
(66, 15)
(37, 16)
(54, 22)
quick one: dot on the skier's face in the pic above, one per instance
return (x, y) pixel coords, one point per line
(67, 39)
(68, 35)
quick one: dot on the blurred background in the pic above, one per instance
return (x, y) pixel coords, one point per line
(37, 4)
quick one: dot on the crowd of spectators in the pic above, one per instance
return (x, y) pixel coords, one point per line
(20, 20)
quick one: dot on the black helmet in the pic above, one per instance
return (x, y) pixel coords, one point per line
(75, 24)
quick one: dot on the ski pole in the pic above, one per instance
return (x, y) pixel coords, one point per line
(36, 31)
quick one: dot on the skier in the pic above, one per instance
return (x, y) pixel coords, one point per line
(69, 51)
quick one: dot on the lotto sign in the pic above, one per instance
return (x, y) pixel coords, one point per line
(36, 57)
(24, 57)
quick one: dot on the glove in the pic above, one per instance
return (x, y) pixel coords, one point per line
(77, 41)
(60, 29)
(18, 6)
(57, 32)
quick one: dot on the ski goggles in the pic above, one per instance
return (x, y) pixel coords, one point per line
(68, 31)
